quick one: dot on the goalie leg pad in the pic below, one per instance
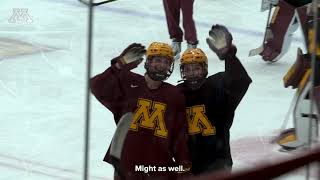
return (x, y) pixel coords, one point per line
(279, 26)
(297, 70)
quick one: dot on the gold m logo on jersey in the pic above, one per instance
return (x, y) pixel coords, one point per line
(198, 121)
(150, 115)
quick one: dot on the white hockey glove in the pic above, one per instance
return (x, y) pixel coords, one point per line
(220, 40)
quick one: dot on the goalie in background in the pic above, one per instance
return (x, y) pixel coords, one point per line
(211, 101)
(157, 133)
(305, 119)
(172, 10)
(287, 17)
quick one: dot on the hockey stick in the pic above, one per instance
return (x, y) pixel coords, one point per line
(96, 4)
(258, 50)
(120, 134)
(118, 141)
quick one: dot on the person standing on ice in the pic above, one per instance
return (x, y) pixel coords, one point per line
(172, 10)
(156, 134)
(211, 101)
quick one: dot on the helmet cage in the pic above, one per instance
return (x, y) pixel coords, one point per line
(158, 75)
(194, 82)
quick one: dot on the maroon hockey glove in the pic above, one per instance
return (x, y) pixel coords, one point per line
(220, 41)
(132, 56)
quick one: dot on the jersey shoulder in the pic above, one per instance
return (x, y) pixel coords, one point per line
(216, 80)
(174, 90)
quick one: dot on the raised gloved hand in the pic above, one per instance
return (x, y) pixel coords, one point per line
(132, 56)
(220, 41)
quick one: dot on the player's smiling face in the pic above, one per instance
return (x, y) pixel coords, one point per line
(194, 74)
(159, 68)
(193, 70)
(159, 64)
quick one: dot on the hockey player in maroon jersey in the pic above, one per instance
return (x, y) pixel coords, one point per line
(157, 136)
(287, 16)
(211, 101)
(172, 10)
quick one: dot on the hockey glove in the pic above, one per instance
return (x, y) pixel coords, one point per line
(132, 56)
(220, 40)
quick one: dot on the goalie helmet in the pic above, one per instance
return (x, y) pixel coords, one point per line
(158, 52)
(194, 68)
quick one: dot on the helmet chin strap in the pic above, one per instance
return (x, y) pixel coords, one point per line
(193, 84)
(157, 76)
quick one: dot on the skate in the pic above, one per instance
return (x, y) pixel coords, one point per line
(191, 45)
(176, 46)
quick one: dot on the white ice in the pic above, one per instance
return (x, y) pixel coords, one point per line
(43, 95)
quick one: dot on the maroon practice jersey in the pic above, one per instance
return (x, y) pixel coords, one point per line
(157, 136)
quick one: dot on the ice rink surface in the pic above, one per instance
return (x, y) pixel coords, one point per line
(43, 76)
